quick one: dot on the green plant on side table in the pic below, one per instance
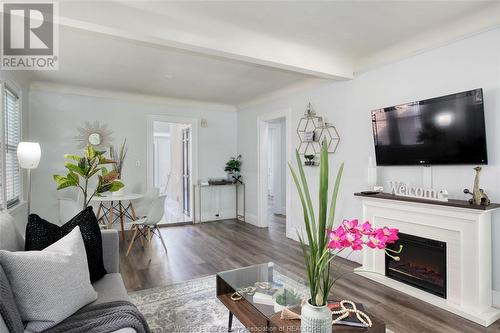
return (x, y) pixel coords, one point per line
(233, 168)
(82, 168)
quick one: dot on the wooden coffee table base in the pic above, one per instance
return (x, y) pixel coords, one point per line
(255, 321)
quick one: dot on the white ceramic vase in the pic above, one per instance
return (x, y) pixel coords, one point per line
(315, 319)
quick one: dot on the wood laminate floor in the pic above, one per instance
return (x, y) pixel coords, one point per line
(204, 249)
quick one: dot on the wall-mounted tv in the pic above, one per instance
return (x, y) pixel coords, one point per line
(442, 130)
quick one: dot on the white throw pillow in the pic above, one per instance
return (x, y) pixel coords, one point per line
(49, 285)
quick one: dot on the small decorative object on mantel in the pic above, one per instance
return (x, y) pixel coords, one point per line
(233, 168)
(311, 130)
(479, 197)
(405, 190)
(324, 242)
(95, 135)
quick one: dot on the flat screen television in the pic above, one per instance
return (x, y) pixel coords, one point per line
(442, 130)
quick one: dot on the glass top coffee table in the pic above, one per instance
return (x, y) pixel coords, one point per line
(257, 294)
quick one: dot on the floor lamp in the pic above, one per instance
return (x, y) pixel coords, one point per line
(28, 156)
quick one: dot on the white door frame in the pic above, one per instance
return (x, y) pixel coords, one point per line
(194, 147)
(262, 126)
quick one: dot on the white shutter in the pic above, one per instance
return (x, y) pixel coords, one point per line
(12, 125)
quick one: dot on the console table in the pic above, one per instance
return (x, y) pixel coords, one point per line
(199, 187)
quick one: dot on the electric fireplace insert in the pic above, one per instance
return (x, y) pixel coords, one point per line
(422, 264)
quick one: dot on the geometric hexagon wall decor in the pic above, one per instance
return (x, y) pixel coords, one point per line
(332, 137)
(312, 130)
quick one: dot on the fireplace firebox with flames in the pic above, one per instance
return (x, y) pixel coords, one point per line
(422, 264)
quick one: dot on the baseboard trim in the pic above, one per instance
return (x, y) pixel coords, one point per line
(496, 299)
(252, 219)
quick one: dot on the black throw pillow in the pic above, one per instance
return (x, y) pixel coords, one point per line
(41, 234)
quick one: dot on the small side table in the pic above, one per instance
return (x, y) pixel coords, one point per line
(237, 187)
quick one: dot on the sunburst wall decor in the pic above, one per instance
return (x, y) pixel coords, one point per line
(97, 135)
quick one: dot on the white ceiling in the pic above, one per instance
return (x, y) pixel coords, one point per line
(98, 61)
(235, 52)
(354, 28)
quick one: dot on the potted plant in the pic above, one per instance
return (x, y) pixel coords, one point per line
(233, 168)
(118, 155)
(88, 166)
(322, 243)
(309, 160)
(285, 298)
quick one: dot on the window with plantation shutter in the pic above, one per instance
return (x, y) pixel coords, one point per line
(11, 174)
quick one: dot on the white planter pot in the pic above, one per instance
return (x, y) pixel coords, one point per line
(315, 319)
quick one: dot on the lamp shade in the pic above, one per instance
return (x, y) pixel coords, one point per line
(28, 154)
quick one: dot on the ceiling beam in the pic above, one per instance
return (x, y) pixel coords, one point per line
(116, 20)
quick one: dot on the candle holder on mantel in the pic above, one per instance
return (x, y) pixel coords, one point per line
(312, 130)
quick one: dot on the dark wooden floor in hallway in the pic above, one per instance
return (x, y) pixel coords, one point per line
(204, 249)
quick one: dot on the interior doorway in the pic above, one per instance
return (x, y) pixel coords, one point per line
(276, 174)
(172, 168)
(274, 151)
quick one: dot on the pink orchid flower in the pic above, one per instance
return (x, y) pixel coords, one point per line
(365, 228)
(354, 240)
(350, 234)
(337, 238)
(376, 242)
(390, 234)
(349, 225)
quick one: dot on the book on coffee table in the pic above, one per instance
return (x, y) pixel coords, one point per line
(352, 320)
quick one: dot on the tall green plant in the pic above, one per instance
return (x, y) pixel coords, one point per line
(316, 255)
(87, 166)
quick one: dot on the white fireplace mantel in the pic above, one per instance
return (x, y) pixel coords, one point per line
(467, 233)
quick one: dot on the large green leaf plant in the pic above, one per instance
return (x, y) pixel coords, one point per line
(317, 257)
(82, 168)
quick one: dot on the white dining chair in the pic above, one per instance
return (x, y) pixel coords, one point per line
(147, 226)
(141, 206)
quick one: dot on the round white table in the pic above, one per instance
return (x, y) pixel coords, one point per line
(116, 207)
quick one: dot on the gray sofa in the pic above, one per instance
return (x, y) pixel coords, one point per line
(109, 288)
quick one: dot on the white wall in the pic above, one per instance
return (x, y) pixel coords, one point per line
(466, 64)
(55, 116)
